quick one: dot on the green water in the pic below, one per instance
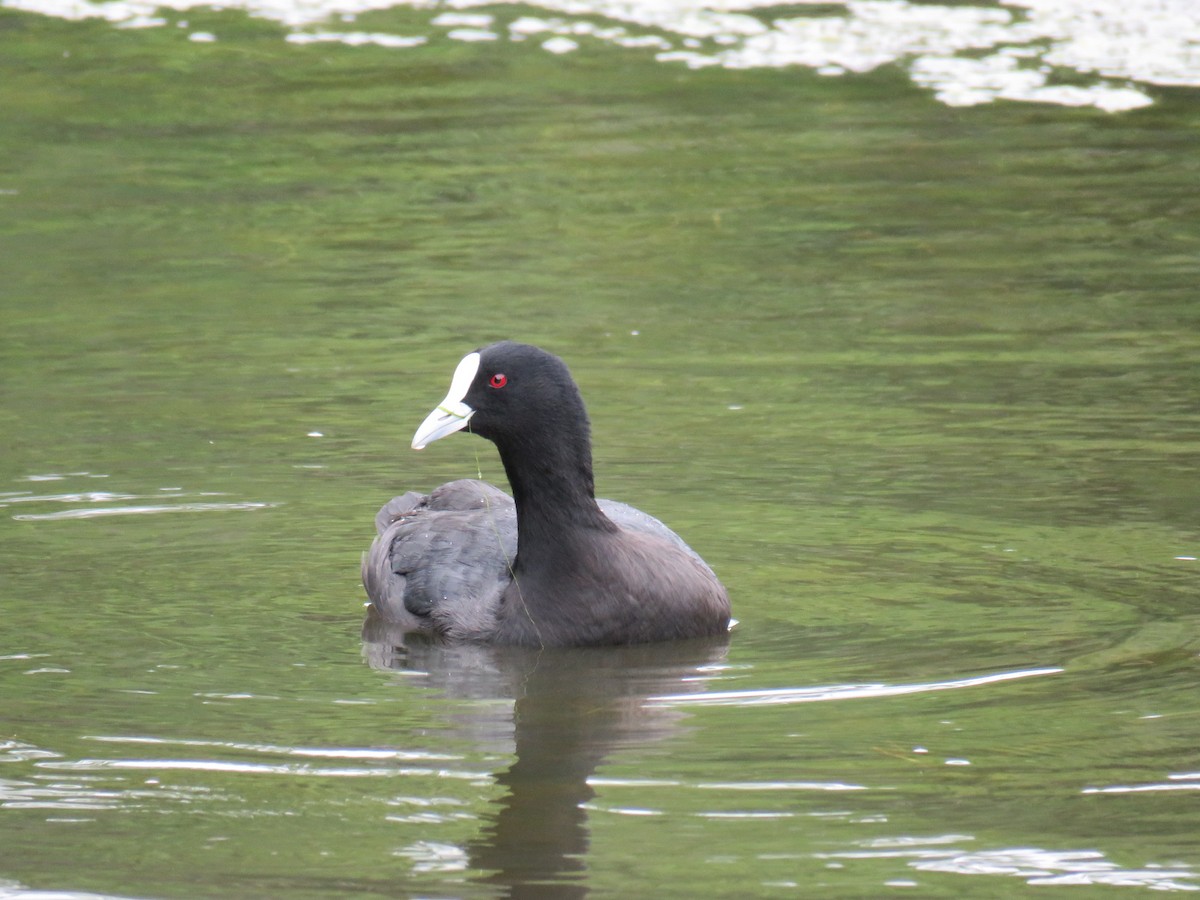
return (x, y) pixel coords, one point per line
(919, 383)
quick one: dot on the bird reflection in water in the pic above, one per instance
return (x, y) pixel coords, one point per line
(572, 709)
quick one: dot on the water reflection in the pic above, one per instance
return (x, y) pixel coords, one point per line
(1037, 866)
(100, 503)
(776, 696)
(570, 710)
(968, 54)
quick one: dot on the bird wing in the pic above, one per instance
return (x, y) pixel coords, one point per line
(441, 562)
(633, 519)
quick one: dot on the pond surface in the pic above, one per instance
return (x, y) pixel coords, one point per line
(918, 380)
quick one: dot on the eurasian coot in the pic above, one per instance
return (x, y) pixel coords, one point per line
(554, 568)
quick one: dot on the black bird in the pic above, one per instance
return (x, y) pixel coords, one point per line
(553, 568)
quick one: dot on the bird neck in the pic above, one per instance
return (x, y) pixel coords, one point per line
(554, 491)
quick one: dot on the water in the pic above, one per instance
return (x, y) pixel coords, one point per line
(917, 380)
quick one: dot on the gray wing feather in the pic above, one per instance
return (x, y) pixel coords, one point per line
(632, 519)
(441, 562)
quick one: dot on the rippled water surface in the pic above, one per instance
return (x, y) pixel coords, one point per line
(918, 380)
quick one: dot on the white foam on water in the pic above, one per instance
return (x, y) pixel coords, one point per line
(966, 55)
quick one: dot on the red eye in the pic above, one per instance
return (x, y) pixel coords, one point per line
(498, 380)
